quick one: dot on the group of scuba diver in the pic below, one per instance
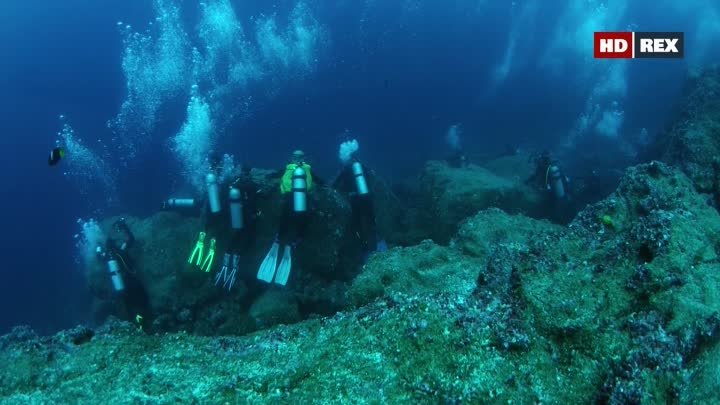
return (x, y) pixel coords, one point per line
(296, 182)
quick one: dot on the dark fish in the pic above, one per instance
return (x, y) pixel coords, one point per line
(55, 156)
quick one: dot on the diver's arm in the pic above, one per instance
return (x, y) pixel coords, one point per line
(341, 180)
(130, 236)
(319, 180)
(122, 226)
(337, 179)
(277, 174)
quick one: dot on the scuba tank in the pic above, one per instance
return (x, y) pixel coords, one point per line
(299, 190)
(113, 268)
(213, 193)
(236, 208)
(360, 182)
(556, 182)
(178, 203)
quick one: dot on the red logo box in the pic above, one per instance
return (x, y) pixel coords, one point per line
(613, 45)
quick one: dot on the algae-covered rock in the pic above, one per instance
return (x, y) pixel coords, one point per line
(517, 167)
(693, 140)
(704, 379)
(669, 234)
(403, 350)
(275, 306)
(164, 243)
(450, 195)
(481, 233)
(426, 268)
(629, 287)
(620, 307)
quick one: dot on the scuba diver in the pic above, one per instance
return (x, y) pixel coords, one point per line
(549, 177)
(236, 213)
(132, 294)
(218, 214)
(458, 159)
(56, 155)
(295, 184)
(352, 181)
(553, 182)
(211, 218)
(242, 203)
(457, 156)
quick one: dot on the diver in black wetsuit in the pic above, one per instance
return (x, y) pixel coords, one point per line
(458, 159)
(549, 178)
(134, 300)
(242, 206)
(352, 180)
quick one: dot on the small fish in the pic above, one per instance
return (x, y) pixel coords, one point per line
(55, 156)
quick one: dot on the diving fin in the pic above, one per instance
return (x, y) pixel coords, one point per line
(381, 246)
(267, 268)
(284, 269)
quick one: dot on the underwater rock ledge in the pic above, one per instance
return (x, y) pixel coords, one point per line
(619, 307)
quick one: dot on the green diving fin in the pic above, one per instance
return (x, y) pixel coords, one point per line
(197, 253)
(285, 264)
(267, 268)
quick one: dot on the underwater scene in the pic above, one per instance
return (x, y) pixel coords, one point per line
(360, 202)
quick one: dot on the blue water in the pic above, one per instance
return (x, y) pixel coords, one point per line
(396, 74)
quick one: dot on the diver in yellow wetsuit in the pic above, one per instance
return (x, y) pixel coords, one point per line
(295, 184)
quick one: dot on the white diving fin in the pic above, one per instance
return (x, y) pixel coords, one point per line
(283, 271)
(267, 268)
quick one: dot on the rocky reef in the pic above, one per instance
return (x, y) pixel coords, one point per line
(692, 141)
(447, 195)
(618, 307)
